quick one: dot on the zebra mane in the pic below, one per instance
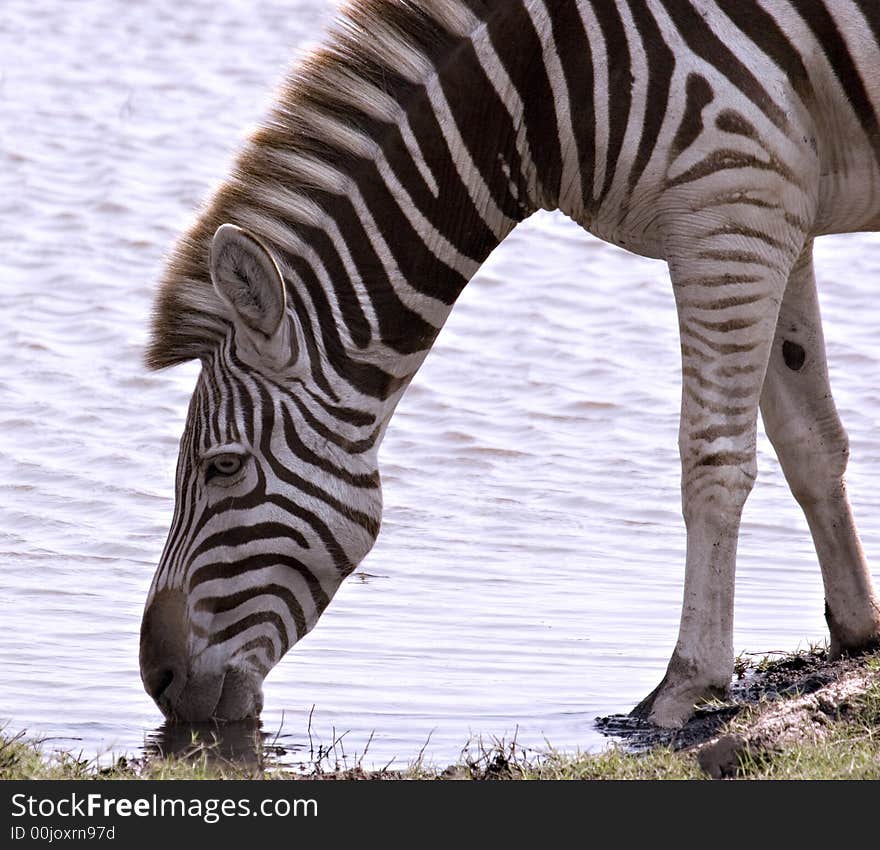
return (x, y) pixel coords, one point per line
(314, 126)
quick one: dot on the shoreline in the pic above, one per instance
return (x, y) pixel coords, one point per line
(799, 716)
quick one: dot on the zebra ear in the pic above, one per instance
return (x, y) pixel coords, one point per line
(246, 276)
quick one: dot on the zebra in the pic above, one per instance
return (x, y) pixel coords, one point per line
(721, 136)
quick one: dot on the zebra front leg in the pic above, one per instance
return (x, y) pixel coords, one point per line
(727, 315)
(802, 423)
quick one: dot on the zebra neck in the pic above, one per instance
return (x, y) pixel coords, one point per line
(395, 159)
(383, 202)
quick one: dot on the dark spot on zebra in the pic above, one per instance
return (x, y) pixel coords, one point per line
(793, 355)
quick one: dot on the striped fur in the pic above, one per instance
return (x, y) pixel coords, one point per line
(719, 135)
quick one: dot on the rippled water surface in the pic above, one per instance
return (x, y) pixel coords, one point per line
(528, 574)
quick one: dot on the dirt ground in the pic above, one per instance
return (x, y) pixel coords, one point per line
(772, 703)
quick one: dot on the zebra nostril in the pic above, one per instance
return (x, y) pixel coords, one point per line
(158, 682)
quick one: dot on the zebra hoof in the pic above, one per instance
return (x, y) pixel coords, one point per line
(673, 702)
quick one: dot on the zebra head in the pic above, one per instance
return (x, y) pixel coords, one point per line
(276, 502)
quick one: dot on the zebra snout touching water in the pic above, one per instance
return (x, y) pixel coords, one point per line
(208, 686)
(722, 136)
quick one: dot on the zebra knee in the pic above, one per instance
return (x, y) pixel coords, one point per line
(814, 466)
(715, 490)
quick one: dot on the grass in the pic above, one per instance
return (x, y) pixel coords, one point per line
(845, 745)
(500, 761)
(847, 748)
(23, 758)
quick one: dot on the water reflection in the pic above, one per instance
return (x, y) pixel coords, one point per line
(243, 744)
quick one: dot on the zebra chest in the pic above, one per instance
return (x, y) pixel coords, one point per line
(849, 195)
(633, 224)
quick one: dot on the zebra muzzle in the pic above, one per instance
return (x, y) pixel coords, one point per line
(187, 689)
(233, 694)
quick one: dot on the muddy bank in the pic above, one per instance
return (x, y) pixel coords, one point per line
(772, 704)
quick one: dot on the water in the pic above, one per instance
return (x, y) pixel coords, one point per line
(528, 574)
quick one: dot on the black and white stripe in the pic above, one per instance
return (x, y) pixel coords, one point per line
(719, 135)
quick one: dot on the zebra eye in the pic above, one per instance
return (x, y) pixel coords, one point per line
(223, 465)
